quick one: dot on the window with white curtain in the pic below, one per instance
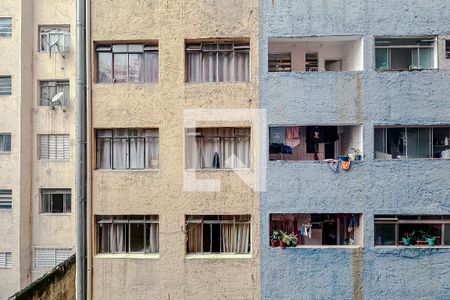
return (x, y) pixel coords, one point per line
(136, 63)
(54, 146)
(56, 201)
(405, 53)
(128, 234)
(48, 90)
(56, 37)
(218, 148)
(5, 260)
(127, 148)
(47, 258)
(218, 234)
(218, 62)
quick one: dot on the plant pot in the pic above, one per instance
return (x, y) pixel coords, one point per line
(406, 241)
(431, 241)
(282, 244)
(421, 243)
(274, 243)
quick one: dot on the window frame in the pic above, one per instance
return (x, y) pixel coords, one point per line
(57, 253)
(200, 220)
(6, 259)
(62, 30)
(431, 135)
(66, 147)
(447, 48)
(433, 46)
(128, 138)
(5, 91)
(66, 200)
(6, 139)
(197, 46)
(4, 32)
(128, 220)
(5, 199)
(398, 220)
(59, 86)
(152, 47)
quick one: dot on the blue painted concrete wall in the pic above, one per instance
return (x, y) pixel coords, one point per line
(371, 187)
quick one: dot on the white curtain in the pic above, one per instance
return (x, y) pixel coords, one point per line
(228, 238)
(194, 66)
(209, 61)
(194, 238)
(242, 238)
(120, 149)
(193, 151)
(241, 69)
(135, 67)
(151, 68)
(137, 146)
(117, 237)
(152, 148)
(153, 237)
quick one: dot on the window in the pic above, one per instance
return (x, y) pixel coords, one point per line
(5, 142)
(54, 146)
(47, 258)
(312, 62)
(218, 234)
(218, 62)
(412, 142)
(48, 89)
(5, 85)
(137, 63)
(218, 148)
(5, 260)
(56, 37)
(128, 234)
(314, 142)
(317, 229)
(127, 148)
(279, 62)
(447, 49)
(5, 26)
(412, 230)
(5, 199)
(56, 201)
(405, 53)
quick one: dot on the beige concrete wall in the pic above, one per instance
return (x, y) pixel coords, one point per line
(172, 274)
(53, 230)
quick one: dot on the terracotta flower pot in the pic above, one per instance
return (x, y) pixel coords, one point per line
(282, 244)
(274, 243)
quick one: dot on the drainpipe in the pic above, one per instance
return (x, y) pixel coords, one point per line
(81, 151)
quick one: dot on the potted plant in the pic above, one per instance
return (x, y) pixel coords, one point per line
(431, 239)
(288, 240)
(406, 239)
(292, 240)
(275, 238)
(420, 238)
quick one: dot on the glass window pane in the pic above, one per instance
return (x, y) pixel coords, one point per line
(447, 234)
(384, 235)
(45, 206)
(425, 58)
(424, 143)
(57, 203)
(137, 237)
(120, 67)
(209, 67)
(381, 58)
(401, 58)
(104, 71)
(151, 72)
(136, 68)
(68, 198)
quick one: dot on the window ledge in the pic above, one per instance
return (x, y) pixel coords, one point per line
(320, 247)
(218, 170)
(55, 214)
(127, 170)
(412, 159)
(128, 256)
(412, 247)
(5, 152)
(218, 256)
(309, 161)
(217, 83)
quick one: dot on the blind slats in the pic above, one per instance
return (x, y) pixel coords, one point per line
(5, 27)
(5, 85)
(54, 147)
(46, 258)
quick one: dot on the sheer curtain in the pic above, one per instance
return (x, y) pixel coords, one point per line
(241, 66)
(117, 237)
(151, 68)
(104, 149)
(242, 238)
(209, 146)
(194, 60)
(209, 61)
(120, 149)
(137, 145)
(228, 238)
(153, 237)
(135, 67)
(194, 238)
(193, 151)
(152, 148)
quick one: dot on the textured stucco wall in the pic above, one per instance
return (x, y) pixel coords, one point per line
(160, 191)
(371, 187)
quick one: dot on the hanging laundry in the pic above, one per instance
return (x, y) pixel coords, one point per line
(292, 136)
(276, 135)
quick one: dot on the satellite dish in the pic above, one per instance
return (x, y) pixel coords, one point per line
(54, 44)
(56, 100)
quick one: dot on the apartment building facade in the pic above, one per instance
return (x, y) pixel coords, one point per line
(37, 134)
(369, 80)
(153, 235)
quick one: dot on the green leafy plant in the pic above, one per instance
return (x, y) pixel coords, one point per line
(276, 235)
(289, 239)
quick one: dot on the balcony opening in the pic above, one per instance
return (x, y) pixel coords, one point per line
(412, 230)
(399, 54)
(302, 229)
(412, 142)
(312, 54)
(315, 142)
